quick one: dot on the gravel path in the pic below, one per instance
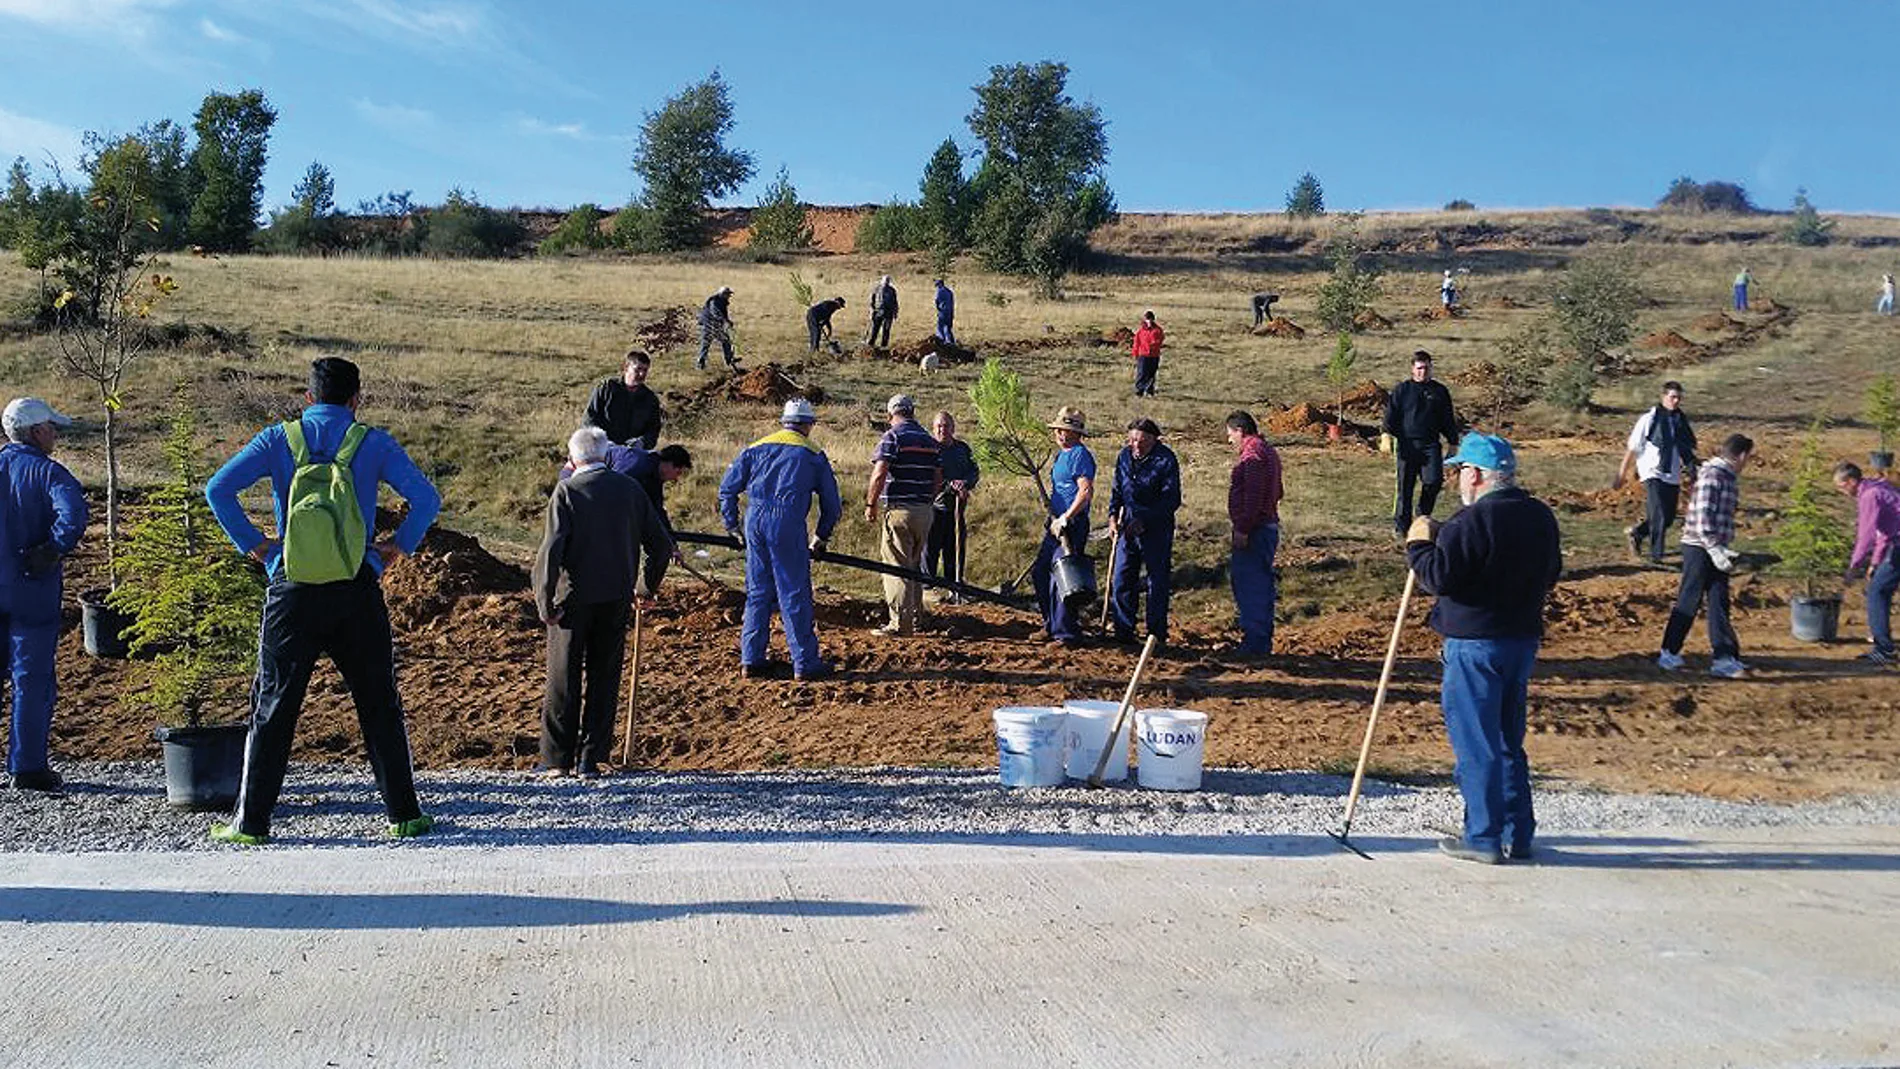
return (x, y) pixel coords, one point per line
(121, 807)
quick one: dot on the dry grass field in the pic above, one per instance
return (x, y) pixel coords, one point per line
(481, 369)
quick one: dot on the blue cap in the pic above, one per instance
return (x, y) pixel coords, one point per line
(1487, 451)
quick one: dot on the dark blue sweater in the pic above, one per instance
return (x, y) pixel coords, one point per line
(1492, 566)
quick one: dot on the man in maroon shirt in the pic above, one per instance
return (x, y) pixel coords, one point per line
(1876, 548)
(1253, 507)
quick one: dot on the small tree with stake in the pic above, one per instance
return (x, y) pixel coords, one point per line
(1339, 373)
(1009, 437)
(1883, 412)
(1811, 542)
(192, 599)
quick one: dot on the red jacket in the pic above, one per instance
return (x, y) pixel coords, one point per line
(1148, 341)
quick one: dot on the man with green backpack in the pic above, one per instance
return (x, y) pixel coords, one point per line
(325, 594)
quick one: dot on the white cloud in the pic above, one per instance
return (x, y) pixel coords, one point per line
(573, 131)
(450, 24)
(36, 139)
(120, 15)
(395, 118)
(214, 32)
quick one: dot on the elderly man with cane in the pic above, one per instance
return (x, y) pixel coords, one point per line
(599, 526)
(1491, 565)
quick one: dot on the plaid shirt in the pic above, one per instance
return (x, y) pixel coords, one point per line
(1253, 494)
(1710, 520)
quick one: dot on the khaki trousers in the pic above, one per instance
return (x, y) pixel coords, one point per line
(906, 533)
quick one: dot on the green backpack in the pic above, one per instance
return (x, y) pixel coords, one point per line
(323, 531)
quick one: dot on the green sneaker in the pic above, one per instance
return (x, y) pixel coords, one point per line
(413, 827)
(229, 833)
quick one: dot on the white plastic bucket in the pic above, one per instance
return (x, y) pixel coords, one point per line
(1171, 743)
(1029, 745)
(1087, 729)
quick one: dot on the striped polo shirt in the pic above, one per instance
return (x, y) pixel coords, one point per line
(915, 460)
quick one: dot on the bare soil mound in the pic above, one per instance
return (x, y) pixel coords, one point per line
(1368, 397)
(670, 331)
(1439, 311)
(910, 354)
(1367, 319)
(1715, 321)
(766, 384)
(1503, 300)
(427, 587)
(1664, 339)
(1279, 327)
(1303, 418)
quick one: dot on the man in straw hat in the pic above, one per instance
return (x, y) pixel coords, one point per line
(1071, 491)
(779, 474)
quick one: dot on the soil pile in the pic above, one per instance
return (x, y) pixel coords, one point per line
(1303, 418)
(946, 353)
(1279, 327)
(672, 330)
(1367, 397)
(764, 385)
(1714, 322)
(425, 590)
(1439, 311)
(1664, 339)
(1367, 319)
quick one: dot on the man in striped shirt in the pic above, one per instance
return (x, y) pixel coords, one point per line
(906, 475)
(1707, 533)
(1253, 508)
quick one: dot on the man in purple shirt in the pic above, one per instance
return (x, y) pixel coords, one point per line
(1876, 544)
(347, 619)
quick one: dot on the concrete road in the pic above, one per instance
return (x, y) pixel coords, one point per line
(1757, 947)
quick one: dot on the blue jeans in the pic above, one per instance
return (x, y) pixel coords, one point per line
(1485, 683)
(1255, 591)
(29, 655)
(944, 333)
(1880, 588)
(1741, 298)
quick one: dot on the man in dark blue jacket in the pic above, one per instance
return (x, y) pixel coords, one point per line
(1141, 508)
(946, 314)
(42, 515)
(347, 619)
(1491, 565)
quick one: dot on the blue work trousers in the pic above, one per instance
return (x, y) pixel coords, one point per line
(1145, 559)
(778, 577)
(1880, 588)
(1059, 619)
(1255, 590)
(1485, 685)
(944, 333)
(29, 649)
(1741, 298)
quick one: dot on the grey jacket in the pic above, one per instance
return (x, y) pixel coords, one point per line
(599, 523)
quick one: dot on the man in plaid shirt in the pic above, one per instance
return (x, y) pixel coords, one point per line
(1707, 533)
(1253, 507)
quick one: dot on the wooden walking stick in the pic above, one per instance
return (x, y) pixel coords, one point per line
(1372, 722)
(1108, 598)
(633, 688)
(1121, 715)
(963, 538)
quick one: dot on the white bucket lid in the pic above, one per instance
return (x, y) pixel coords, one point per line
(1089, 707)
(1172, 716)
(1022, 714)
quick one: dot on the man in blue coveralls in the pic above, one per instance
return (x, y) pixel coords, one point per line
(946, 314)
(42, 515)
(346, 619)
(1071, 491)
(778, 474)
(1141, 507)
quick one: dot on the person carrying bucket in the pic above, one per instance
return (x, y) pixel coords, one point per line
(779, 474)
(1071, 491)
(1141, 505)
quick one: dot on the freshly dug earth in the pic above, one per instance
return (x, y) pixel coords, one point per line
(1807, 722)
(1665, 339)
(1280, 327)
(768, 384)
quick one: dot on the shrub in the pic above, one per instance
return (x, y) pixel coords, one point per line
(1306, 198)
(801, 291)
(1687, 195)
(899, 226)
(464, 227)
(1595, 305)
(1811, 541)
(1354, 283)
(1882, 411)
(1460, 205)
(580, 230)
(778, 223)
(631, 229)
(1571, 382)
(1806, 227)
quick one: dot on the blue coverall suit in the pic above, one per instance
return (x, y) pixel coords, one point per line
(946, 315)
(778, 475)
(1146, 495)
(40, 502)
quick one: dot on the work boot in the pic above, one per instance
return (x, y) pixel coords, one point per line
(44, 781)
(229, 833)
(420, 824)
(815, 673)
(1635, 541)
(1455, 847)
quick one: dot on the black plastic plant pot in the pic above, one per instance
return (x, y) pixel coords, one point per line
(103, 625)
(202, 764)
(1814, 619)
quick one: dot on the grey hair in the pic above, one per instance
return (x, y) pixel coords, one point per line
(18, 433)
(588, 445)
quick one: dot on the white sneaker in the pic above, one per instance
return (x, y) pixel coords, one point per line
(1728, 668)
(1669, 662)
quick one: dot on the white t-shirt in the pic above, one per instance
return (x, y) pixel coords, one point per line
(1649, 460)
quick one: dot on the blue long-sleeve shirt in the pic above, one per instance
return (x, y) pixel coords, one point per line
(946, 303)
(781, 472)
(1147, 489)
(380, 459)
(40, 502)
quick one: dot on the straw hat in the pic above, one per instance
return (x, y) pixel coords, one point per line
(1069, 418)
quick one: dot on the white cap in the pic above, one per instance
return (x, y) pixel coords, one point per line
(798, 410)
(900, 404)
(24, 412)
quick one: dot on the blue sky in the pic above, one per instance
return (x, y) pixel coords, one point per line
(1211, 106)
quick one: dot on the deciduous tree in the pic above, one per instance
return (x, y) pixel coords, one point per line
(683, 162)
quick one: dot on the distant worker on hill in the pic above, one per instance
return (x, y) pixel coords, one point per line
(883, 313)
(1071, 491)
(1741, 290)
(1876, 548)
(625, 406)
(1662, 450)
(906, 475)
(779, 475)
(1708, 530)
(1491, 565)
(1147, 353)
(1254, 492)
(1418, 413)
(946, 314)
(1885, 307)
(1263, 307)
(1142, 502)
(818, 320)
(944, 554)
(1448, 292)
(715, 323)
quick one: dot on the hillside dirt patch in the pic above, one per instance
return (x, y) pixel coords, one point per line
(766, 384)
(673, 329)
(1664, 339)
(1279, 327)
(1807, 722)
(1438, 311)
(1715, 322)
(1367, 319)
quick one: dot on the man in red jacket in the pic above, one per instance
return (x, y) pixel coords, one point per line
(1147, 354)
